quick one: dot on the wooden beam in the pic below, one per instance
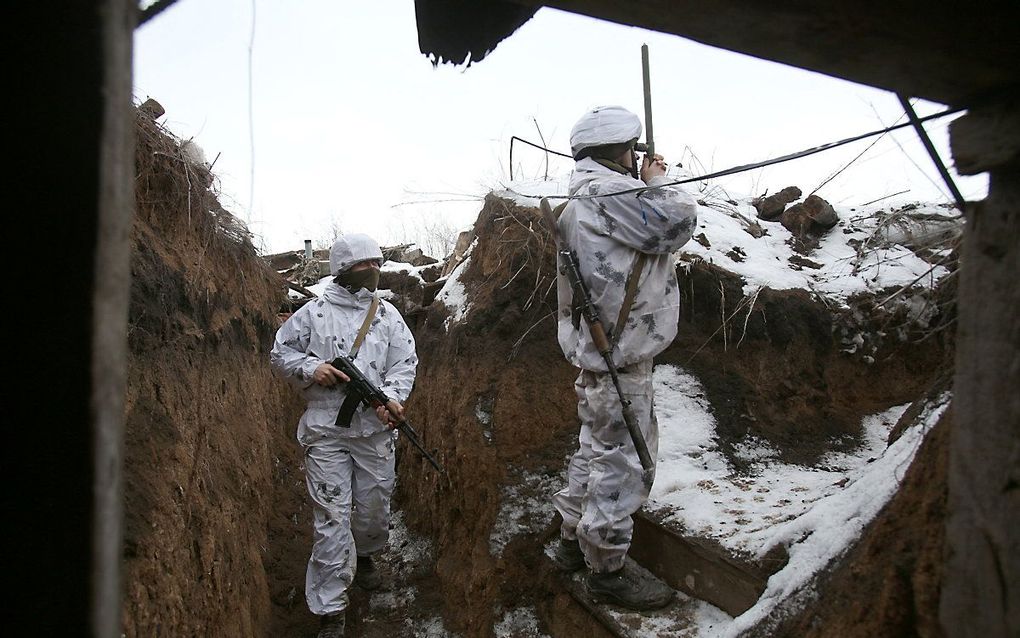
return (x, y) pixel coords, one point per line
(985, 138)
(936, 52)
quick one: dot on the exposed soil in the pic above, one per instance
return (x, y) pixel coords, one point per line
(218, 528)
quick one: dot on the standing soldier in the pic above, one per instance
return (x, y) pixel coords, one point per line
(624, 235)
(349, 467)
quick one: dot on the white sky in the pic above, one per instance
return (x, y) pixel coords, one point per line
(354, 127)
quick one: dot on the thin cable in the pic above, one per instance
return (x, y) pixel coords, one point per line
(745, 167)
(538, 146)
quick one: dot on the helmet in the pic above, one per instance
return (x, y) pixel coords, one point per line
(351, 249)
(604, 125)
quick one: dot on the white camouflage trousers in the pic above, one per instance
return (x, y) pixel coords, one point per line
(350, 481)
(604, 486)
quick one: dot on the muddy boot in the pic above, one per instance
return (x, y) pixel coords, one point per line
(367, 575)
(631, 587)
(568, 556)
(332, 625)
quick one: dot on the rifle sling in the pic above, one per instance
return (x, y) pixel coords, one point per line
(628, 297)
(365, 325)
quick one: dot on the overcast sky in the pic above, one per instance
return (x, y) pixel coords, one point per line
(350, 126)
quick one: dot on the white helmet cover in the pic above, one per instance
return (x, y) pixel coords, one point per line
(351, 249)
(604, 125)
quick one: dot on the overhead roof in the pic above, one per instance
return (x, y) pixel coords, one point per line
(945, 52)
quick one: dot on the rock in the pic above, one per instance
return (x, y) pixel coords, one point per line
(796, 220)
(152, 109)
(813, 216)
(821, 212)
(408, 254)
(771, 207)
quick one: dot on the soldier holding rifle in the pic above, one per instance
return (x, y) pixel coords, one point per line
(349, 447)
(622, 235)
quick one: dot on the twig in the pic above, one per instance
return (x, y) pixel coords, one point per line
(754, 299)
(542, 137)
(884, 197)
(517, 344)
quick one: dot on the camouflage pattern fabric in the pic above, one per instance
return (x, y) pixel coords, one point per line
(604, 486)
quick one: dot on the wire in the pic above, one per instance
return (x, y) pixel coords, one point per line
(738, 169)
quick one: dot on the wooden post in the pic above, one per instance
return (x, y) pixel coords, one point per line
(981, 577)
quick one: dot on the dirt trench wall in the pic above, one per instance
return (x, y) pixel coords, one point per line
(495, 396)
(207, 426)
(776, 370)
(495, 405)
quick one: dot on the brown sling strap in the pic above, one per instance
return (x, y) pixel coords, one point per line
(629, 295)
(364, 327)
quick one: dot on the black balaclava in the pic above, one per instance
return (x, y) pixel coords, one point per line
(358, 279)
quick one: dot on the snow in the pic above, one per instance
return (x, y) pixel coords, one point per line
(406, 268)
(453, 295)
(524, 508)
(518, 623)
(815, 512)
(764, 262)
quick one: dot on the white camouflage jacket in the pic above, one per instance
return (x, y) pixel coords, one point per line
(325, 326)
(608, 233)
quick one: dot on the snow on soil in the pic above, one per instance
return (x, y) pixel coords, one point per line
(816, 512)
(406, 268)
(453, 294)
(518, 623)
(524, 508)
(696, 486)
(858, 255)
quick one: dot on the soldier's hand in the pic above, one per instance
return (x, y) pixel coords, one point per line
(386, 417)
(326, 375)
(652, 167)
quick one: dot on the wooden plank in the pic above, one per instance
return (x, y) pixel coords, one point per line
(984, 139)
(697, 567)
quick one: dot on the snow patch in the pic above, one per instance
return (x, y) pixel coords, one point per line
(453, 295)
(815, 512)
(518, 623)
(524, 508)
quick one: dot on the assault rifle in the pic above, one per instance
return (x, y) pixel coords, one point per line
(572, 267)
(362, 391)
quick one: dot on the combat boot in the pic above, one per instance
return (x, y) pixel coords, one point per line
(332, 625)
(367, 575)
(631, 586)
(568, 555)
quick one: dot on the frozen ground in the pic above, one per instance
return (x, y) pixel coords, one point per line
(865, 252)
(816, 512)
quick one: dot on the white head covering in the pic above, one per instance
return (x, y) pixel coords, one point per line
(604, 125)
(351, 249)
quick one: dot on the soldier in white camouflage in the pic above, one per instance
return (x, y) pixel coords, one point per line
(349, 463)
(620, 230)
